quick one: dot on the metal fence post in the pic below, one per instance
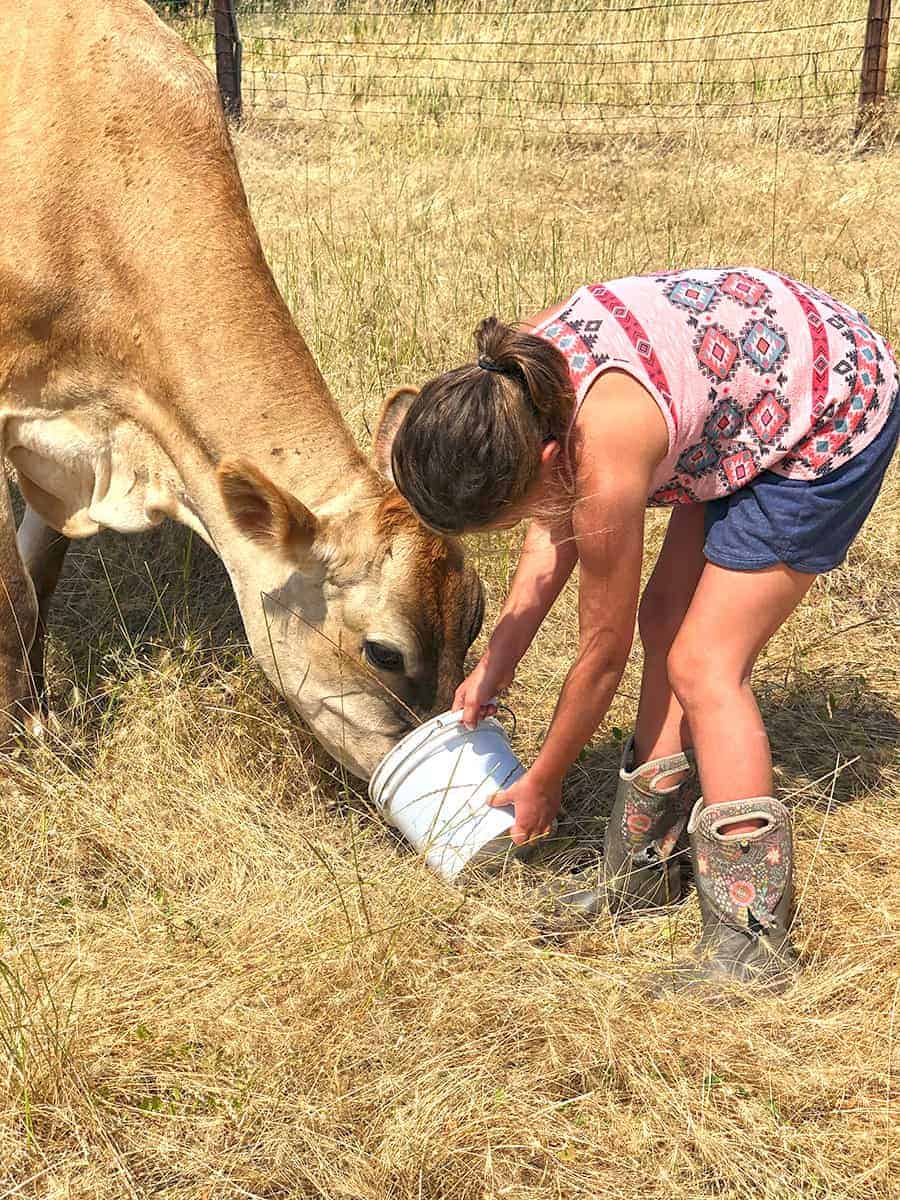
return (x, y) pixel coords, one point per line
(873, 82)
(228, 57)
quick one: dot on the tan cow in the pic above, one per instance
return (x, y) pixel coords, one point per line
(149, 369)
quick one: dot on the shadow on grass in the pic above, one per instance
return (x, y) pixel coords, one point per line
(142, 599)
(833, 738)
(137, 596)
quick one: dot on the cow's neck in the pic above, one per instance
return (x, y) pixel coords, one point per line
(273, 408)
(246, 400)
(208, 331)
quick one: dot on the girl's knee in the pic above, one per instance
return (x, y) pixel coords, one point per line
(698, 676)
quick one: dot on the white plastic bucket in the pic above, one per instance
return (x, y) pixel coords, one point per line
(434, 786)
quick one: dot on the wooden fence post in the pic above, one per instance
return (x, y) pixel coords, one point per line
(228, 57)
(873, 82)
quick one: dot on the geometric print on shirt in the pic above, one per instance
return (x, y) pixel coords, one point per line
(737, 431)
(830, 441)
(776, 375)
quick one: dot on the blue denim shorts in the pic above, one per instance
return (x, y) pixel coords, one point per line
(806, 523)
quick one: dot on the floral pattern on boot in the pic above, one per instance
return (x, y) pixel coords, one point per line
(642, 868)
(743, 876)
(655, 815)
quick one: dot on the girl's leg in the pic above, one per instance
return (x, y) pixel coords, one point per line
(731, 617)
(641, 859)
(660, 728)
(741, 852)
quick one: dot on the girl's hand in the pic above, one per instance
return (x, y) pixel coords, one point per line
(536, 804)
(477, 691)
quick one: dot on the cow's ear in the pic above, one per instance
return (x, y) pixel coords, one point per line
(393, 411)
(264, 512)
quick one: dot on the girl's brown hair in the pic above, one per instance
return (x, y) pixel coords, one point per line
(469, 447)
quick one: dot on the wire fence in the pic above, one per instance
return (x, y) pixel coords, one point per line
(622, 67)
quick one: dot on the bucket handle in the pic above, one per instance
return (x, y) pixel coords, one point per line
(512, 716)
(455, 717)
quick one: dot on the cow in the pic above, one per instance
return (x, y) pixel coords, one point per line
(151, 370)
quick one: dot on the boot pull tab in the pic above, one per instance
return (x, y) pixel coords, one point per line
(718, 829)
(649, 774)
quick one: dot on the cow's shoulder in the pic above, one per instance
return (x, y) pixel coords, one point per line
(132, 52)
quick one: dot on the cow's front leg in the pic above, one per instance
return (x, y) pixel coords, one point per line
(18, 622)
(43, 551)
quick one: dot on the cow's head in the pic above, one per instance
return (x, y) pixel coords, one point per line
(359, 615)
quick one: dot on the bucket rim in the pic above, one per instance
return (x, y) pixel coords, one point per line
(414, 741)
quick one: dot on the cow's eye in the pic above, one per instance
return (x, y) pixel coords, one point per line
(384, 658)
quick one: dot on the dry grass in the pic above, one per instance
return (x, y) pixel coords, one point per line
(221, 977)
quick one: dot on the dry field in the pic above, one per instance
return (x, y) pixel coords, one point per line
(221, 976)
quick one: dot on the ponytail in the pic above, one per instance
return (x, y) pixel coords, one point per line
(537, 365)
(469, 447)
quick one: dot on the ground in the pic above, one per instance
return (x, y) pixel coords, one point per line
(221, 976)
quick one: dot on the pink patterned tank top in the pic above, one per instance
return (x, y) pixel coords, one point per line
(752, 372)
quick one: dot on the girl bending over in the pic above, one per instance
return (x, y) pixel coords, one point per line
(763, 413)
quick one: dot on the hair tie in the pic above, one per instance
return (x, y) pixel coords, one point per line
(487, 364)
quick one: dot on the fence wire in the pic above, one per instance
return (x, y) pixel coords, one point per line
(620, 68)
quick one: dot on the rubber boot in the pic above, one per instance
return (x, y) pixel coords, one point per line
(641, 870)
(642, 866)
(745, 887)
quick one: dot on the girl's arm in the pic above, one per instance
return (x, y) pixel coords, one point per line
(624, 438)
(611, 552)
(548, 556)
